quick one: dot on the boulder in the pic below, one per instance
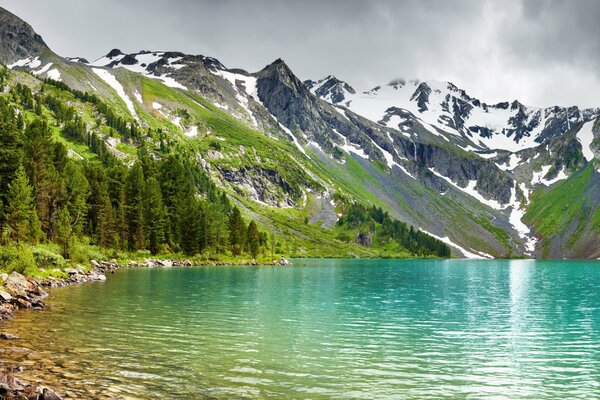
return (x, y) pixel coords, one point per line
(165, 263)
(49, 394)
(21, 303)
(72, 271)
(17, 285)
(8, 336)
(94, 276)
(5, 296)
(94, 263)
(33, 392)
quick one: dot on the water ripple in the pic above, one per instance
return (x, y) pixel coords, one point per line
(333, 329)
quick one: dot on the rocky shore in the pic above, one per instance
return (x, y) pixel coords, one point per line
(23, 292)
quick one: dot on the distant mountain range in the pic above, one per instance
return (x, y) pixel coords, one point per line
(491, 180)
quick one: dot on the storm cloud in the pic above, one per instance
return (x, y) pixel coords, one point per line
(539, 52)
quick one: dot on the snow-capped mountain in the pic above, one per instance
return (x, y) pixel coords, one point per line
(470, 173)
(451, 111)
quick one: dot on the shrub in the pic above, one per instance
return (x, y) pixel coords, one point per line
(17, 258)
(45, 258)
(82, 252)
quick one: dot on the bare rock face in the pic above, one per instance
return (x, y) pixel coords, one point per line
(364, 239)
(18, 40)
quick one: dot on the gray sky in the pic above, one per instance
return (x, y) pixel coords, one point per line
(540, 52)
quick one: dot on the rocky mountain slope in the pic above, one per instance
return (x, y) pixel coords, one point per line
(486, 179)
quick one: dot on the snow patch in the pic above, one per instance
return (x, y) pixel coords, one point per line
(585, 136)
(54, 74)
(138, 97)
(114, 83)
(471, 191)
(294, 138)
(488, 155)
(466, 253)
(167, 80)
(43, 70)
(512, 163)
(249, 83)
(516, 220)
(538, 177)
(351, 147)
(29, 62)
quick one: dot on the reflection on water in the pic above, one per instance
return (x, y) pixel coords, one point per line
(331, 329)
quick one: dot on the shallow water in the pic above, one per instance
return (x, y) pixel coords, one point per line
(324, 329)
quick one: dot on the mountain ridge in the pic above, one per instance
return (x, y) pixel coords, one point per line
(452, 165)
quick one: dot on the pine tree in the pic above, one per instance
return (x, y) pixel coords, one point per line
(253, 239)
(237, 230)
(190, 230)
(21, 215)
(46, 182)
(176, 188)
(134, 209)
(64, 231)
(10, 151)
(77, 192)
(155, 215)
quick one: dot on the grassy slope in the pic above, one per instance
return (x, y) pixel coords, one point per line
(244, 147)
(566, 216)
(247, 148)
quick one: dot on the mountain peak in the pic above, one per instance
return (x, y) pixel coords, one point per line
(114, 53)
(18, 40)
(280, 66)
(330, 89)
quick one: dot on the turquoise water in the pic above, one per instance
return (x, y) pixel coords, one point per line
(324, 329)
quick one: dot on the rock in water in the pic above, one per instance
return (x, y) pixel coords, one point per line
(49, 394)
(17, 285)
(8, 336)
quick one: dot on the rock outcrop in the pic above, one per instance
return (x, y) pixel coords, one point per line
(18, 40)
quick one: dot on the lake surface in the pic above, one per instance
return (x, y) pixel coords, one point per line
(324, 329)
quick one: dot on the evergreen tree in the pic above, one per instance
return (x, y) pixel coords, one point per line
(237, 230)
(21, 216)
(155, 212)
(190, 230)
(77, 191)
(10, 150)
(134, 209)
(117, 177)
(46, 182)
(253, 239)
(107, 233)
(64, 231)
(176, 188)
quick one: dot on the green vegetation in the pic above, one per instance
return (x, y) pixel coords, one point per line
(97, 207)
(81, 180)
(553, 211)
(373, 226)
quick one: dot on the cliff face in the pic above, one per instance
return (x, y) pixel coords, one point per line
(18, 40)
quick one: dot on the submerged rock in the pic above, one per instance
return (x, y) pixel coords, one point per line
(8, 336)
(49, 394)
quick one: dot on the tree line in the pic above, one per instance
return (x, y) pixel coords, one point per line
(376, 225)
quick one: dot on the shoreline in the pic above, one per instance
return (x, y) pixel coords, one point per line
(20, 292)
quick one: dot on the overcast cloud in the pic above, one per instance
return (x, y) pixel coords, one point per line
(540, 52)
